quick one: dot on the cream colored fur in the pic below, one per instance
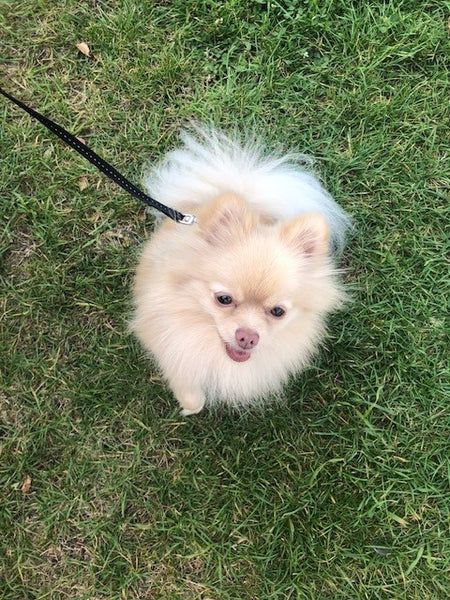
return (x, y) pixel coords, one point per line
(250, 255)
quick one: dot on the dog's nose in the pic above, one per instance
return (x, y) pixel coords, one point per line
(246, 338)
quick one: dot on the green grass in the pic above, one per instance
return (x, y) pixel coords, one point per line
(340, 491)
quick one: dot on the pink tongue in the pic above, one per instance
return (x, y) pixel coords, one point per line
(237, 355)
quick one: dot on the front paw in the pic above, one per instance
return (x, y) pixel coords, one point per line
(185, 412)
(191, 403)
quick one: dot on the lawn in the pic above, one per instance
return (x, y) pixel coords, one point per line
(340, 490)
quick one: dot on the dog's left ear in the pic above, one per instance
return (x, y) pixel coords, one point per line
(308, 235)
(226, 219)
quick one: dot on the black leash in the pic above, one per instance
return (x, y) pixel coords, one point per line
(101, 164)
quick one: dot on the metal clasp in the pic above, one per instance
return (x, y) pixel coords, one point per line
(188, 220)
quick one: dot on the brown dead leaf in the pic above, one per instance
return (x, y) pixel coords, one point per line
(26, 485)
(83, 183)
(84, 48)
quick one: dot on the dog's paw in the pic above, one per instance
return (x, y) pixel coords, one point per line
(186, 412)
(191, 403)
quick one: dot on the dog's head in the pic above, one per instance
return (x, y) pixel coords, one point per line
(258, 281)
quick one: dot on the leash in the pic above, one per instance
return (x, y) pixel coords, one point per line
(101, 164)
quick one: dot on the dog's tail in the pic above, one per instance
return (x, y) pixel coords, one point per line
(210, 163)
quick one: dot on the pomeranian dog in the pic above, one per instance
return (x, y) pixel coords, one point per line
(235, 303)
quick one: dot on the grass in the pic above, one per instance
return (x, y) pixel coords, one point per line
(340, 491)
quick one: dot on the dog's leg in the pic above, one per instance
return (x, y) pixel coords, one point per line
(191, 400)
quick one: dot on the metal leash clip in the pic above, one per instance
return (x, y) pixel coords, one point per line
(188, 220)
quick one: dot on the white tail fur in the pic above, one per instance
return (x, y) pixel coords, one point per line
(210, 163)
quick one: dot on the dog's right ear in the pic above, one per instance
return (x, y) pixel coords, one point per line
(226, 219)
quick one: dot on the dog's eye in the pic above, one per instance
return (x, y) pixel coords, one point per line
(224, 299)
(277, 311)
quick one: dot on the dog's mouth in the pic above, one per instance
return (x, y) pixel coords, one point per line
(237, 355)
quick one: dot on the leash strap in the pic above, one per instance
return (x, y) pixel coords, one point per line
(101, 164)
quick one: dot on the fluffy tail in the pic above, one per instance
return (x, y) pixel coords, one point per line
(210, 163)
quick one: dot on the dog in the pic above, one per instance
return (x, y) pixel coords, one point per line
(232, 305)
